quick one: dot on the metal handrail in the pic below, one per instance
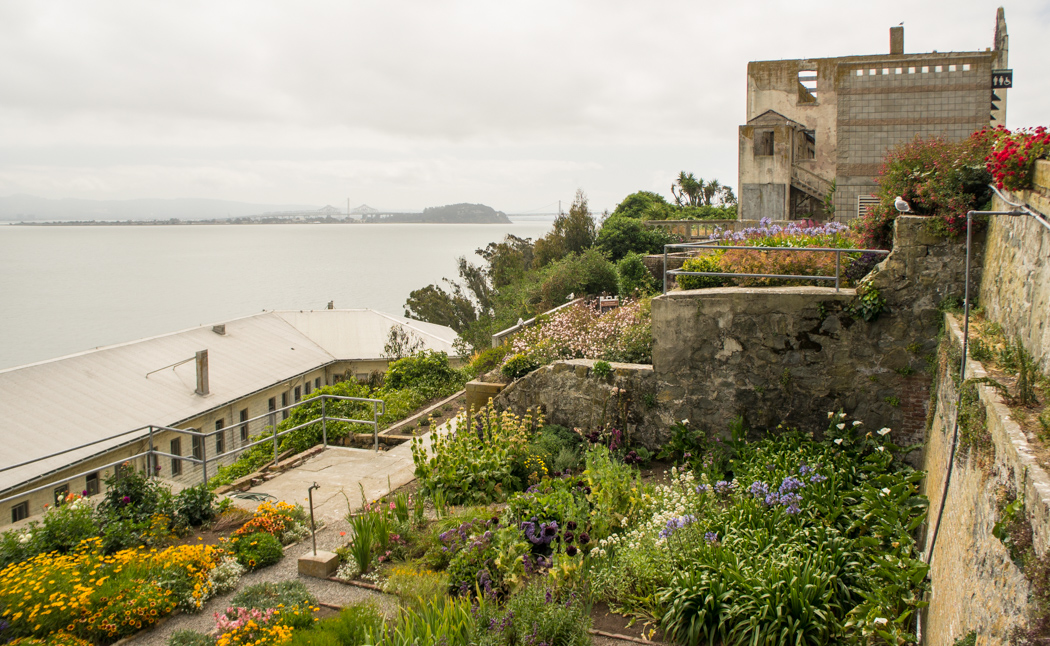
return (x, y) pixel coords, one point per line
(711, 244)
(378, 408)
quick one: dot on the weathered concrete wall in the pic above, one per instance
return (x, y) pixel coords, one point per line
(791, 354)
(975, 585)
(1015, 291)
(571, 395)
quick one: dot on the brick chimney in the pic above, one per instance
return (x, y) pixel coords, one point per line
(202, 372)
(897, 40)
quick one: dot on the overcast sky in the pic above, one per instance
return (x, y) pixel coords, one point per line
(412, 104)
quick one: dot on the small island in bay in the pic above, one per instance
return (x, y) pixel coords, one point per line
(450, 214)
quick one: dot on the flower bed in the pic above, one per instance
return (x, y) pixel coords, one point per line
(794, 263)
(1013, 156)
(582, 332)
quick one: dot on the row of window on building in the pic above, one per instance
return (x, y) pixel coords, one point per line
(924, 69)
(20, 511)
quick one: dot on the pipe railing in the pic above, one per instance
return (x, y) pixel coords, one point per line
(713, 245)
(152, 453)
(499, 337)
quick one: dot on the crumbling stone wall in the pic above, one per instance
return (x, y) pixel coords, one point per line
(571, 395)
(1015, 290)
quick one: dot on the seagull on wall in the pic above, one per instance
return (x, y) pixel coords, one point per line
(901, 205)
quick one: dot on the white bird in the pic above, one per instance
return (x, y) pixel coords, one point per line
(521, 322)
(571, 296)
(901, 205)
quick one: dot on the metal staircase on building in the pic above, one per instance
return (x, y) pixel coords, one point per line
(809, 182)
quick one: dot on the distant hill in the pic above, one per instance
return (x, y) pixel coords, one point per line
(451, 214)
(30, 208)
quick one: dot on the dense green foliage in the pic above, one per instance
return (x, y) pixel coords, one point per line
(621, 235)
(939, 178)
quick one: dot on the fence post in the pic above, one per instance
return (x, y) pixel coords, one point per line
(375, 425)
(324, 421)
(152, 458)
(838, 257)
(204, 459)
(274, 427)
(665, 269)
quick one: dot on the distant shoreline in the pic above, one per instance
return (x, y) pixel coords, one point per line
(240, 221)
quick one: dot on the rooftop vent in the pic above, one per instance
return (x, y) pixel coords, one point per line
(219, 329)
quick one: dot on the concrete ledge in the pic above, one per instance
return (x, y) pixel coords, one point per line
(479, 393)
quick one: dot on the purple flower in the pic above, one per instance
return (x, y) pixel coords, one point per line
(125, 500)
(817, 478)
(711, 537)
(571, 550)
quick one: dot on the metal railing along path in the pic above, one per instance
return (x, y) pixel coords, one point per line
(712, 245)
(152, 453)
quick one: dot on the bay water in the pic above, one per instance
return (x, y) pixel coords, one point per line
(66, 289)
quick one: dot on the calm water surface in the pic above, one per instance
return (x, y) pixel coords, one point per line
(68, 289)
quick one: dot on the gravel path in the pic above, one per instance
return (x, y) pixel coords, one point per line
(286, 569)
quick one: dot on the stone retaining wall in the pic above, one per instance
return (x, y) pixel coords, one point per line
(975, 585)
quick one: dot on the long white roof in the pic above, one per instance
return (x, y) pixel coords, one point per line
(53, 405)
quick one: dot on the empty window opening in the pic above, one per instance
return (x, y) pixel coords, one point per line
(925, 69)
(911, 70)
(966, 67)
(244, 425)
(899, 70)
(885, 71)
(860, 72)
(939, 68)
(307, 387)
(20, 511)
(807, 91)
(764, 143)
(872, 72)
(317, 382)
(951, 68)
(91, 484)
(176, 449)
(806, 144)
(284, 404)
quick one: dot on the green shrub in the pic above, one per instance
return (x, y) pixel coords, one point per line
(415, 586)
(602, 369)
(587, 273)
(706, 263)
(634, 277)
(196, 505)
(487, 360)
(356, 624)
(131, 495)
(518, 366)
(258, 550)
(62, 529)
(427, 372)
(263, 596)
(623, 235)
(539, 614)
(476, 463)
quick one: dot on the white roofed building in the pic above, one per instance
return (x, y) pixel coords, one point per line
(253, 365)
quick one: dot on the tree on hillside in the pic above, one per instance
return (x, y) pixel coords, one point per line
(572, 233)
(644, 205)
(689, 191)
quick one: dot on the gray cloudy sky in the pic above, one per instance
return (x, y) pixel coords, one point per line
(411, 104)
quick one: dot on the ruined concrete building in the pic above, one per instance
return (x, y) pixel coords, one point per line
(812, 122)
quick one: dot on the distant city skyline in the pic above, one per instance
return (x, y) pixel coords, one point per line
(408, 105)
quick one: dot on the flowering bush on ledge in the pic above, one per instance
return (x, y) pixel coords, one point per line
(1013, 156)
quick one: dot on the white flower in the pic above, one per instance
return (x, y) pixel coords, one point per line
(886, 490)
(880, 621)
(831, 414)
(841, 426)
(882, 448)
(885, 430)
(838, 441)
(857, 423)
(685, 421)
